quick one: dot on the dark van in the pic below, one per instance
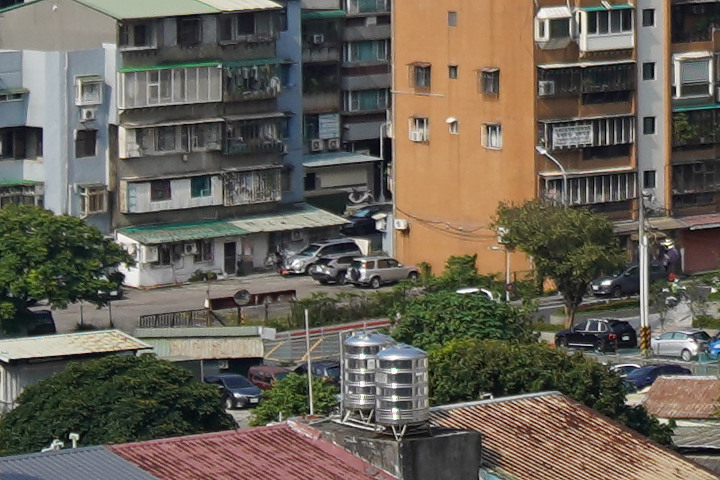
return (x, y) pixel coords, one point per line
(263, 376)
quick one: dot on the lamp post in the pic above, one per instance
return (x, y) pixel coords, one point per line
(507, 268)
(543, 151)
(644, 275)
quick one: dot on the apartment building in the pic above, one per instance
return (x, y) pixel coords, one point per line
(584, 102)
(187, 114)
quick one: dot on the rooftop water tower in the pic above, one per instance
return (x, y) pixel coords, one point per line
(359, 363)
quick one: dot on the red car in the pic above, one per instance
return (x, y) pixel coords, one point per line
(263, 376)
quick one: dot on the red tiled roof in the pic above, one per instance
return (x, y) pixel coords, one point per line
(550, 436)
(279, 452)
(683, 397)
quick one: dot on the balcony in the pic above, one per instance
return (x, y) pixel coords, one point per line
(694, 22)
(693, 129)
(589, 80)
(317, 54)
(591, 132)
(605, 29)
(252, 80)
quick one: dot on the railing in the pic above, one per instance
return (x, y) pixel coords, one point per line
(185, 318)
(235, 146)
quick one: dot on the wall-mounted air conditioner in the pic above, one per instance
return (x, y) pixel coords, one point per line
(333, 144)
(400, 224)
(546, 88)
(316, 145)
(88, 114)
(190, 249)
(149, 253)
(318, 38)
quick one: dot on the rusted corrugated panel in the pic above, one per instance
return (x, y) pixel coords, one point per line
(278, 452)
(683, 397)
(550, 436)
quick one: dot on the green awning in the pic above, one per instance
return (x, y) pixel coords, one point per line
(13, 91)
(18, 183)
(693, 108)
(181, 232)
(322, 14)
(253, 62)
(601, 8)
(172, 65)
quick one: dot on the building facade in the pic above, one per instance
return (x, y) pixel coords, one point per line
(585, 102)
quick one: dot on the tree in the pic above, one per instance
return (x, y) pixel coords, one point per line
(570, 246)
(289, 397)
(439, 317)
(463, 370)
(58, 258)
(114, 399)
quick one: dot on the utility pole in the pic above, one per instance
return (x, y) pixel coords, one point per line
(643, 265)
(309, 363)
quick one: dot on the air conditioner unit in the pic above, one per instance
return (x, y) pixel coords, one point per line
(316, 145)
(87, 114)
(416, 136)
(149, 253)
(546, 88)
(333, 144)
(190, 249)
(295, 236)
(370, 21)
(400, 224)
(318, 38)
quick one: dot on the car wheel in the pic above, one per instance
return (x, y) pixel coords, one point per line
(323, 282)
(306, 271)
(375, 282)
(229, 403)
(617, 292)
(340, 279)
(599, 346)
(561, 342)
(413, 277)
(686, 355)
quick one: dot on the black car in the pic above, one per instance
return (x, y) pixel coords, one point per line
(328, 270)
(237, 391)
(327, 370)
(361, 222)
(626, 282)
(42, 323)
(600, 334)
(645, 376)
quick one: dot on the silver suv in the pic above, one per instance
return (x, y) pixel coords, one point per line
(376, 271)
(310, 255)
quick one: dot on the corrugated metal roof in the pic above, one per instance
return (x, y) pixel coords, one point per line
(180, 232)
(278, 452)
(683, 397)
(294, 217)
(68, 344)
(701, 438)
(125, 9)
(242, 5)
(702, 222)
(550, 436)
(336, 158)
(89, 463)
(660, 223)
(553, 12)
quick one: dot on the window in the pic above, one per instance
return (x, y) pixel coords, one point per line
(174, 139)
(256, 186)
(492, 136)
(160, 190)
(452, 19)
(12, 95)
(21, 143)
(165, 255)
(366, 100)
(85, 143)
(205, 251)
(93, 199)
(189, 31)
(588, 133)
(137, 36)
(615, 187)
(200, 186)
(21, 194)
(367, 51)
(237, 27)
(648, 125)
(648, 71)
(88, 90)
(648, 17)
(604, 22)
(171, 86)
(547, 29)
(649, 179)
(366, 6)
(489, 81)
(692, 77)
(452, 72)
(453, 126)
(421, 76)
(419, 129)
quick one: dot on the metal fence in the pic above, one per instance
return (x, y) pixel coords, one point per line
(185, 318)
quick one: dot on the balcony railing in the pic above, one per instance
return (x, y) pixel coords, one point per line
(234, 146)
(696, 128)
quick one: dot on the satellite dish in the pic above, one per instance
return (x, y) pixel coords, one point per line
(241, 298)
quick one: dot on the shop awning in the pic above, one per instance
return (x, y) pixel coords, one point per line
(696, 107)
(659, 223)
(702, 222)
(292, 217)
(181, 232)
(334, 159)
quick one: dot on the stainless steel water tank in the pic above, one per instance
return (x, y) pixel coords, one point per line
(401, 382)
(359, 352)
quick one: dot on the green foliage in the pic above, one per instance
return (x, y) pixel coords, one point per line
(463, 370)
(114, 399)
(58, 258)
(440, 317)
(683, 130)
(289, 397)
(570, 246)
(459, 272)
(547, 327)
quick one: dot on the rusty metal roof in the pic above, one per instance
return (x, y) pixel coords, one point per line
(287, 451)
(683, 397)
(550, 436)
(69, 344)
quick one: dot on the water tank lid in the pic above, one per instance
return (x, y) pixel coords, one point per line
(368, 339)
(401, 352)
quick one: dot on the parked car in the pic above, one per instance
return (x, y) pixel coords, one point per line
(478, 291)
(626, 282)
(376, 271)
(623, 369)
(644, 377)
(361, 222)
(309, 256)
(327, 370)
(328, 270)
(263, 376)
(598, 333)
(686, 344)
(237, 391)
(714, 346)
(116, 291)
(42, 323)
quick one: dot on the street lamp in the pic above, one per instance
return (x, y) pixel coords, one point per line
(543, 151)
(507, 268)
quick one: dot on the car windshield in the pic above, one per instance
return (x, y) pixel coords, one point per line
(334, 372)
(701, 336)
(236, 382)
(363, 213)
(309, 251)
(640, 373)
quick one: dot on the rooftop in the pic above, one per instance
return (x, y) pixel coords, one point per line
(683, 397)
(548, 435)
